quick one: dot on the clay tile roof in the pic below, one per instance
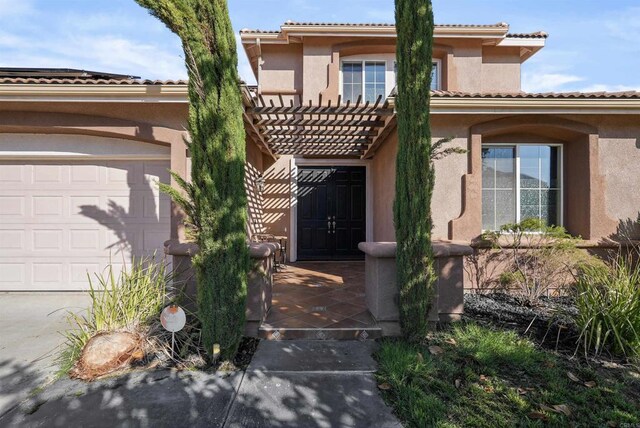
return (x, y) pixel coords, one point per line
(536, 35)
(250, 31)
(581, 95)
(81, 81)
(377, 24)
(370, 24)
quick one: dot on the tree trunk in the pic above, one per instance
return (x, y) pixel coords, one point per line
(218, 160)
(414, 169)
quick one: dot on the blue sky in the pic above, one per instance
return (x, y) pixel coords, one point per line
(593, 44)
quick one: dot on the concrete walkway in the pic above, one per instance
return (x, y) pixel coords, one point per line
(311, 384)
(30, 326)
(288, 384)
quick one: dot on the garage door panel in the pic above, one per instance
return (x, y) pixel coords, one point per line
(11, 173)
(84, 174)
(84, 239)
(11, 205)
(62, 219)
(12, 239)
(43, 207)
(119, 172)
(47, 274)
(48, 173)
(12, 275)
(78, 273)
(46, 240)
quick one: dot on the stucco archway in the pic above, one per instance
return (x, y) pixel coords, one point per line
(584, 204)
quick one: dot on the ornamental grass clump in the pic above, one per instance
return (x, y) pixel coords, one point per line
(608, 302)
(124, 310)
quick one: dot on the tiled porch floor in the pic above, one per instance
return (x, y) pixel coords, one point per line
(319, 295)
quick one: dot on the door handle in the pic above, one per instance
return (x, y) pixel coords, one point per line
(334, 226)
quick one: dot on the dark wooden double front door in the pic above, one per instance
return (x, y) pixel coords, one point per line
(331, 212)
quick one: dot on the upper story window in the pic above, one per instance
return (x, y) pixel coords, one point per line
(519, 182)
(436, 71)
(435, 76)
(364, 79)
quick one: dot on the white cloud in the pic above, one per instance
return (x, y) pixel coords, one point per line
(609, 88)
(386, 16)
(547, 82)
(13, 8)
(625, 25)
(101, 53)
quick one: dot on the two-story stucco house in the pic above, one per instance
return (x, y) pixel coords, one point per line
(79, 151)
(567, 158)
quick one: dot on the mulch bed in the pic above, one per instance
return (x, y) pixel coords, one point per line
(549, 322)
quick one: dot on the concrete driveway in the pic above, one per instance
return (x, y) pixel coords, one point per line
(30, 326)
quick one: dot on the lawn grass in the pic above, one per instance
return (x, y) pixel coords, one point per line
(476, 376)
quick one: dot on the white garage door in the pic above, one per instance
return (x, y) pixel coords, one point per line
(60, 219)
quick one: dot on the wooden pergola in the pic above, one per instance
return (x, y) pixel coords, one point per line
(345, 130)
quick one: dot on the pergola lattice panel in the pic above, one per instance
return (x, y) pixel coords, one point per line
(340, 130)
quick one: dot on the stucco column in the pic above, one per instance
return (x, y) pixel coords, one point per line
(469, 224)
(333, 84)
(178, 165)
(600, 224)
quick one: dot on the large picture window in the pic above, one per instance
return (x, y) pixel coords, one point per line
(520, 182)
(369, 75)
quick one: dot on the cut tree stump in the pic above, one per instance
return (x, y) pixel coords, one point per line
(105, 353)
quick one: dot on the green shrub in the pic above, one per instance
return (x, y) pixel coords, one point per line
(538, 258)
(608, 302)
(126, 301)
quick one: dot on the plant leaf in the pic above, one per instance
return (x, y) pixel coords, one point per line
(590, 384)
(562, 408)
(458, 383)
(384, 386)
(573, 377)
(435, 350)
(420, 357)
(451, 341)
(538, 415)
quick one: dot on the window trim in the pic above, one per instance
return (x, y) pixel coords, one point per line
(438, 62)
(517, 174)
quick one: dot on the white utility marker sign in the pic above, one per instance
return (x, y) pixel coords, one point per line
(173, 319)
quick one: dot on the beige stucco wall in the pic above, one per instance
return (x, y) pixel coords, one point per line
(500, 69)
(620, 165)
(316, 61)
(313, 66)
(383, 170)
(277, 197)
(281, 69)
(446, 202)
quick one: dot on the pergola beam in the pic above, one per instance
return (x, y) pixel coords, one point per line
(322, 129)
(325, 132)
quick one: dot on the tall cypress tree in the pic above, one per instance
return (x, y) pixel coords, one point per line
(414, 170)
(218, 158)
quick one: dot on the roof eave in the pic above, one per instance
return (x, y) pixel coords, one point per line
(541, 105)
(497, 32)
(35, 92)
